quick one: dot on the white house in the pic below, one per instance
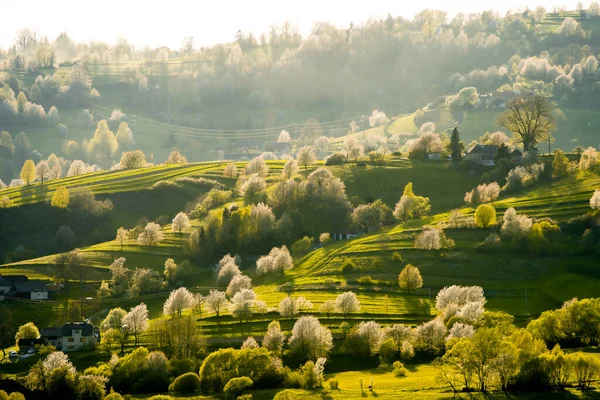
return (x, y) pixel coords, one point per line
(21, 286)
(72, 336)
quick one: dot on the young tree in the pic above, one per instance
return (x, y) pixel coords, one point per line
(60, 198)
(410, 205)
(377, 118)
(242, 303)
(230, 171)
(42, 170)
(170, 270)
(531, 119)
(347, 303)
(485, 216)
(290, 169)
(132, 160)
(237, 283)
(306, 156)
(353, 149)
(595, 200)
(257, 166)
(176, 158)
(410, 278)
(28, 172)
(122, 236)
(136, 320)
(328, 307)
(515, 225)
(310, 339)
(178, 301)
(180, 223)
(124, 136)
(277, 261)
(274, 338)
(250, 343)
(151, 235)
(560, 164)
(215, 301)
(114, 319)
(456, 147)
(371, 335)
(284, 137)
(27, 331)
(103, 145)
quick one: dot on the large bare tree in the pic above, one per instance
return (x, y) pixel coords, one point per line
(530, 119)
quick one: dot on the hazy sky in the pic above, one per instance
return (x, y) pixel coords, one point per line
(166, 22)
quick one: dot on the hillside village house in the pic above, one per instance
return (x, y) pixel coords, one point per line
(484, 154)
(72, 336)
(20, 286)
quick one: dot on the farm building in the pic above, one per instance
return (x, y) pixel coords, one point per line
(484, 154)
(12, 286)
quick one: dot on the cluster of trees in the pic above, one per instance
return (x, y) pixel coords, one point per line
(314, 205)
(138, 281)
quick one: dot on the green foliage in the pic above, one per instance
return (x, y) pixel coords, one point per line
(333, 383)
(399, 369)
(236, 386)
(485, 216)
(302, 246)
(348, 266)
(140, 372)
(186, 384)
(222, 365)
(456, 147)
(397, 257)
(387, 352)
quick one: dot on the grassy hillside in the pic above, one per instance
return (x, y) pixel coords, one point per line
(518, 283)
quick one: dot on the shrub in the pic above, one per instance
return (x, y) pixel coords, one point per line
(397, 257)
(348, 265)
(399, 369)
(336, 159)
(366, 280)
(333, 383)
(186, 384)
(302, 246)
(236, 386)
(361, 165)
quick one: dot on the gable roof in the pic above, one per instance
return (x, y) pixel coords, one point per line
(16, 278)
(50, 332)
(31, 286)
(5, 282)
(86, 329)
(483, 149)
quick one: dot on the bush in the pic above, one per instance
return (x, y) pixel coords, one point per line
(361, 165)
(186, 384)
(245, 397)
(366, 280)
(348, 265)
(399, 369)
(397, 257)
(333, 383)
(302, 246)
(336, 159)
(236, 386)
(160, 397)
